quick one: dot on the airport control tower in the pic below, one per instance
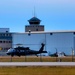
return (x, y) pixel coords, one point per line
(34, 25)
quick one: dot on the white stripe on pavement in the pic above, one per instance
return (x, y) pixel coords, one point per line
(37, 63)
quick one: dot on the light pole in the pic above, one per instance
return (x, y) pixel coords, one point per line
(11, 59)
(45, 48)
(29, 32)
(28, 35)
(56, 54)
(40, 57)
(45, 41)
(25, 58)
(72, 54)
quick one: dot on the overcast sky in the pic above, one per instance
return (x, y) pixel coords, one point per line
(55, 14)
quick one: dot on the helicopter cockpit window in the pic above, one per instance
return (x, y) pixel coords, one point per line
(11, 50)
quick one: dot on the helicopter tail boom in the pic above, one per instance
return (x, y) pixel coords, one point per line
(42, 48)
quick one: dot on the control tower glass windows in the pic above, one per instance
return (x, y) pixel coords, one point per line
(34, 22)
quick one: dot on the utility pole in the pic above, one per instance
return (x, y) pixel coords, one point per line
(72, 54)
(56, 54)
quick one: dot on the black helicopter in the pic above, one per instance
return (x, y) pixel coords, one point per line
(22, 51)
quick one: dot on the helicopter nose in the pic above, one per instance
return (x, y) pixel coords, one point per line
(7, 53)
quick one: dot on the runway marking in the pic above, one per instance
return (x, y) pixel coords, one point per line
(37, 63)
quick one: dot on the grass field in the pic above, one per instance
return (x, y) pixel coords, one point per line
(37, 70)
(35, 59)
(53, 70)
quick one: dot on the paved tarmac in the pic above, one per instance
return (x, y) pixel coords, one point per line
(37, 63)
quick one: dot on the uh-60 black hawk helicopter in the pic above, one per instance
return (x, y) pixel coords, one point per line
(23, 51)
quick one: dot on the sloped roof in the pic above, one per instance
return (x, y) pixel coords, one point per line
(33, 19)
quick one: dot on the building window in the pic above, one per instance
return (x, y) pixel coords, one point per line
(9, 34)
(3, 41)
(3, 34)
(36, 29)
(0, 41)
(6, 34)
(10, 42)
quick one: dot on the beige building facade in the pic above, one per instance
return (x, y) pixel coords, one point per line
(5, 39)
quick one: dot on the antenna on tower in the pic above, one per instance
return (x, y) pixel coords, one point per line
(34, 12)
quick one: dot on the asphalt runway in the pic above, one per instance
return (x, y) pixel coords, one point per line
(37, 63)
